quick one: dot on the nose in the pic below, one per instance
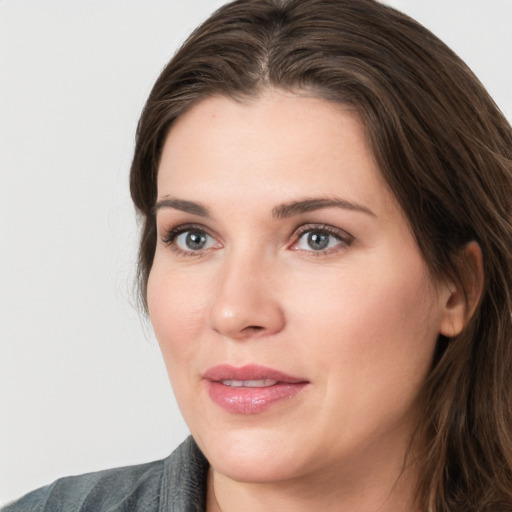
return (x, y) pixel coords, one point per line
(245, 304)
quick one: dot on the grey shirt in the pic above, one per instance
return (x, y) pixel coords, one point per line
(174, 484)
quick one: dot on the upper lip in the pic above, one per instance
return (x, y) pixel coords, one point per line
(249, 372)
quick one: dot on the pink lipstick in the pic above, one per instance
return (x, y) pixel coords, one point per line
(250, 389)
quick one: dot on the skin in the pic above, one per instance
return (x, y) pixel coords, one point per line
(358, 320)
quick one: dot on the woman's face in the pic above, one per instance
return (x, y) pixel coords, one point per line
(294, 311)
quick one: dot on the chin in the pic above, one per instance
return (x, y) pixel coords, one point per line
(252, 455)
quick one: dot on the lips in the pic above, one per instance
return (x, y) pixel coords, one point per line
(250, 389)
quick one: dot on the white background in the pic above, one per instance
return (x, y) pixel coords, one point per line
(82, 386)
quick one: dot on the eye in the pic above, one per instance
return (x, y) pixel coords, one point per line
(193, 240)
(317, 241)
(187, 240)
(322, 239)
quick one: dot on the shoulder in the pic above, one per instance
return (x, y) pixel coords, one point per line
(151, 487)
(113, 489)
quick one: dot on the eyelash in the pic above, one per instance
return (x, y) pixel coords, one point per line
(345, 239)
(170, 237)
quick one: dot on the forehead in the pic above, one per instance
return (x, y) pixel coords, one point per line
(278, 145)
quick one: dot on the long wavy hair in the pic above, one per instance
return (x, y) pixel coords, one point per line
(445, 150)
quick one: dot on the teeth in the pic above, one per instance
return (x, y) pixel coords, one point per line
(262, 383)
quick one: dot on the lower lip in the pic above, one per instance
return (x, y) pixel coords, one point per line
(241, 400)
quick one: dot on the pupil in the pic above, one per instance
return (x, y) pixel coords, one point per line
(318, 241)
(195, 240)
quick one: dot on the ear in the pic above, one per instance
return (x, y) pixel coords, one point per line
(461, 299)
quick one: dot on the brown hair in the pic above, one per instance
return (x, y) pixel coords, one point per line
(445, 150)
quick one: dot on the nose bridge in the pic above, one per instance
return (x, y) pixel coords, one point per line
(244, 301)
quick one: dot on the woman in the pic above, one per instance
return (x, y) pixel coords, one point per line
(325, 191)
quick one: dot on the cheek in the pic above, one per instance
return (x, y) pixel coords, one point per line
(376, 319)
(175, 313)
(372, 341)
(175, 308)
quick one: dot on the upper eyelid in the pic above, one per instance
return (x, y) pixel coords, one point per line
(332, 230)
(183, 228)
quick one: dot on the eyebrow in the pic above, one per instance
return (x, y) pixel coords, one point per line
(184, 206)
(317, 203)
(281, 211)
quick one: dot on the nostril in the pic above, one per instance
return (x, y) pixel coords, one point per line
(252, 331)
